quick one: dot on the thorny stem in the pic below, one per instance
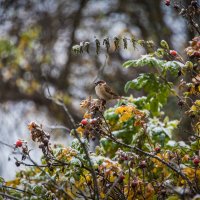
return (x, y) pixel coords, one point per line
(115, 189)
(129, 176)
(81, 193)
(94, 177)
(157, 158)
(143, 177)
(142, 192)
(196, 178)
(50, 178)
(193, 25)
(33, 165)
(17, 189)
(8, 145)
(8, 196)
(113, 185)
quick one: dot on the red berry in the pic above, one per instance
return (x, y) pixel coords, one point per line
(134, 183)
(18, 143)
(84, 122)
(121, 178)
(173, 52)
(125, 157)
(196, 54)
(93, 121)
(167, 2)
(157, 149)
(122, 159)
(196, 161)
(143, 164)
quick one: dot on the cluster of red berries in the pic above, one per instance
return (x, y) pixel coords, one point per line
(84, 122)
(124, 157)
(92, 127)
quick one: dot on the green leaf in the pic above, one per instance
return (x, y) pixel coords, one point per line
(173, 198)
(75, 161)
(127, 63)
(141, 102)
(173, 67)
(111, 116)
(128, 86)
(164, 44)
(154, 106)
(38, 189)
(108, 146)
(1, 180)
(5, 47)
(157, 91)
(148, 60)
(140, 82)
(160, 132)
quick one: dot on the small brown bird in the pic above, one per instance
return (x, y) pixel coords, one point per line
(104, 92)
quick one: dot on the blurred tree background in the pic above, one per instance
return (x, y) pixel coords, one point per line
(36, 58)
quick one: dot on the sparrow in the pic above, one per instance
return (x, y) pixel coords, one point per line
(104, 92)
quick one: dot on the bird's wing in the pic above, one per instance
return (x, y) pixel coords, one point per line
(110, 91)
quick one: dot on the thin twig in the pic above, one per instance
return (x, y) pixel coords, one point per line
(60, 103)
(113, 185)
(100, 71)
(20, 190)
(8, 196)
(50, 178)
(59, 127)
(150, 155)
(157, 158)
(81, 193)
(8, 145)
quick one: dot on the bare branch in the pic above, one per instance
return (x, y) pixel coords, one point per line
(60, 103)
(8, 196)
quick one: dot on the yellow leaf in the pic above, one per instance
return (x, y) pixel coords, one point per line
(102, 195)
(149, 191)
(13, 183)
(193, 108)
(197, 102)
(87, 115)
